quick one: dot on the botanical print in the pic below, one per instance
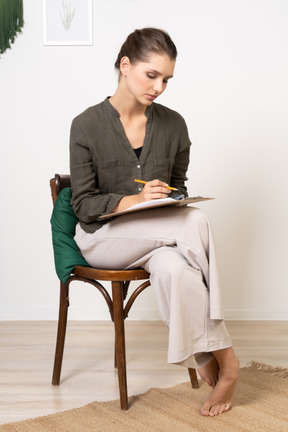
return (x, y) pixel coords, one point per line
(67, 22)
(67, 14)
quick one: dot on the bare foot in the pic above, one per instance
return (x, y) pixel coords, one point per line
(209, 372)
(220, 399)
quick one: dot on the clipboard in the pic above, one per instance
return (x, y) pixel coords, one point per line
(162, 202)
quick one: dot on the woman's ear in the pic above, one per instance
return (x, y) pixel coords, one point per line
(125, 65)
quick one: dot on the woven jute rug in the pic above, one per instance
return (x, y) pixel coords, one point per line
(260, 405)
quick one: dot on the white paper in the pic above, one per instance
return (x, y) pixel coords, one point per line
(152, 202)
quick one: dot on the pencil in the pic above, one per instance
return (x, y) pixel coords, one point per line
(144, 182)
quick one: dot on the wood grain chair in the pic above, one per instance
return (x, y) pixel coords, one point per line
(119, 304)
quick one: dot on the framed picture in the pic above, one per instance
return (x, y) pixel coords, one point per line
(67, 22)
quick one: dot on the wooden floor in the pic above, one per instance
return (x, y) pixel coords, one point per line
(27, 350)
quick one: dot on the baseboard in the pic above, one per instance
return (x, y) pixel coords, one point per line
(255, 314)
(81, 314)
(88, 314)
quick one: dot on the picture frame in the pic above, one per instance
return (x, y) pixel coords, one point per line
(67, 22)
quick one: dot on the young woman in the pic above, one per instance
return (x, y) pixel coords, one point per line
(129, 136)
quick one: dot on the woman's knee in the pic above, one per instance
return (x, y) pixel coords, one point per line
(197, 215)
(172, 269)
(166, 260)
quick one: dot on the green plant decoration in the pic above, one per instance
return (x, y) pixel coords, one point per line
(11, 22)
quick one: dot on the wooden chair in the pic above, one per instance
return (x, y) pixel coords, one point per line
(119, 305)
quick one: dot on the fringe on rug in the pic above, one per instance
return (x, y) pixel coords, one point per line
(274, 370)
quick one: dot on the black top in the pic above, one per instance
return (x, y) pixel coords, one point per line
(138, 151)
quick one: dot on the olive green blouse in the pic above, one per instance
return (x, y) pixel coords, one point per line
(103, 164)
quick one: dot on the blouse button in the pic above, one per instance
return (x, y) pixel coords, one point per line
(138, 166)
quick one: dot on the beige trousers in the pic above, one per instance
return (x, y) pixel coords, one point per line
(175, 245)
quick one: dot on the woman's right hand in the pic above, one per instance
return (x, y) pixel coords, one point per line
(154, 189)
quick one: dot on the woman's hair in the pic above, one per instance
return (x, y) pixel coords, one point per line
(141, 43)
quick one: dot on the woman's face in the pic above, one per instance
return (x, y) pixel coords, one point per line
(145, 81)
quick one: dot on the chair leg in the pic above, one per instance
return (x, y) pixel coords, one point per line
(115, 356)
(118, 312)
(61, 332)
(193, 378)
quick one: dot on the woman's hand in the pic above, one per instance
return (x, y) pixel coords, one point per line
(152, 190)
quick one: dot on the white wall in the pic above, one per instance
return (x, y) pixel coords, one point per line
(231, 87)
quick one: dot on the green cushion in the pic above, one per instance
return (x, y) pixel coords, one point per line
(63, 223)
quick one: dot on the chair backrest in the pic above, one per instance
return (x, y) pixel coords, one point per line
(59, 182)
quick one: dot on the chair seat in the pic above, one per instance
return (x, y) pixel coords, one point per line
(110, 275)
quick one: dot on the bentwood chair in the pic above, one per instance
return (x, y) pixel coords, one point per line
(71, 266)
